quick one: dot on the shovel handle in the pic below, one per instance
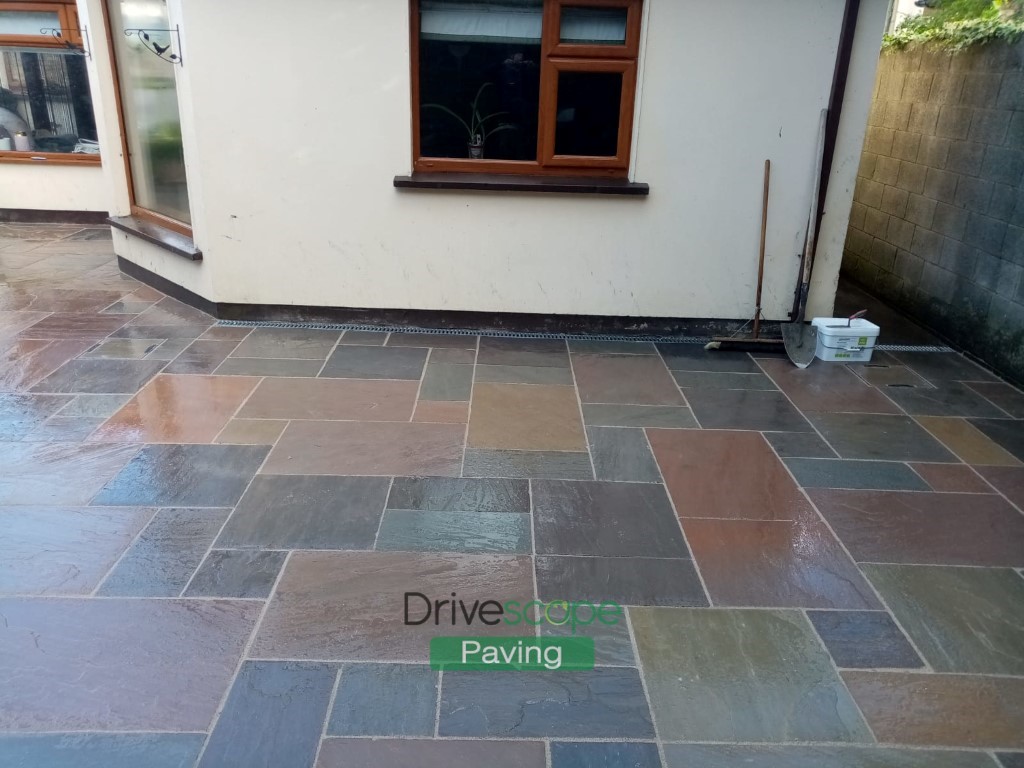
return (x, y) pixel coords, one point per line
(855, 316)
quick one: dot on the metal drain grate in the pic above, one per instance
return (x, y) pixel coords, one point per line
(528, 335)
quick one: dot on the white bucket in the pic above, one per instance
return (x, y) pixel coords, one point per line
(843, 340)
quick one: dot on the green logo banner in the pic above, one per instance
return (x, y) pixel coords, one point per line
(512, 653)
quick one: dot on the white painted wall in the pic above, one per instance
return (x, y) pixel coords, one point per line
(292, 139)
(43, 187)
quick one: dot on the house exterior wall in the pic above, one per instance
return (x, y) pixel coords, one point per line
(294, 130)
(44, 187)
(937, 227)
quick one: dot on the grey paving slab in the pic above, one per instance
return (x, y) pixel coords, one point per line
(615, 415)
(604, 755)
(454, 494)
(549, 464)
(359, 362)
(839, 473)
(620, 453)
(624, 580)
(412, 531)
(693, 357)
(722, 380)
(800, 444)
(236, 573)
(727, 756)
(864, 639)
(446, 381)
(384, 700)
(884, 437)
(100, 750)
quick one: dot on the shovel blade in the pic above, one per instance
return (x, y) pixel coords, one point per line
(801, 342)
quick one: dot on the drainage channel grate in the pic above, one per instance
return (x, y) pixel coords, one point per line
(528, 335)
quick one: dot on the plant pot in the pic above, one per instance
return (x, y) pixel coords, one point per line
(476, 151)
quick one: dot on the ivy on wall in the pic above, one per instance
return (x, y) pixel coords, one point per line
(956, 25)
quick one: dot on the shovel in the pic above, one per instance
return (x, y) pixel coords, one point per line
(800, 339)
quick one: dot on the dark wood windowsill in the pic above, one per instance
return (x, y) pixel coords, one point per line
(579, 185)
(176, 243)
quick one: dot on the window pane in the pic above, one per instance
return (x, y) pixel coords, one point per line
(149, 101)
(588, 113)
(27, 22)
(480, 78)
(602, 26)
(45, 105)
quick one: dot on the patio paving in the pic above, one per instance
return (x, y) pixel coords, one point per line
(207, 534)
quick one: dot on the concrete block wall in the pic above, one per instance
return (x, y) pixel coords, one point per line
(937, 225)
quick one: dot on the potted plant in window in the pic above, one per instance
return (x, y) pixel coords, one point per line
(479, 127)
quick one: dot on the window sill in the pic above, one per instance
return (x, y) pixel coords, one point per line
(181, 245)
(578, 185)
(48, 158)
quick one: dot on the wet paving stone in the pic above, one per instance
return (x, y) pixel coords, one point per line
(839, 473)
(745, 409)
(266, 366)
(1006, 433)
(123, 349)
(445, 381)
(236, 573)
(74, 325)
(368, 448)
(436, 340)
(356, 362)
(757, 486)
(800, 445)
(722, 380)
(63, 550)
(624, 580)
(604, 755)
(129, 664)
(672, 416)
(727, 756)
(284, 398)
(273, 716)
(605, 702)
(350, 605)
(450, 494)
(693, 357)
(384, 700)
(524, 417)
(938, 367)
(622, 454)
(25, 362)
(251, 432)
(166, 554)
(550, 353)
(367, 338)
(826, 388)
(864, 639)
(924, 528)
(429, 753)
(566, 465)
(524, 374)
(100, 377)
(628, 379)
(294, 343)
(742, 675)
(776, 563)
(184, 476)
(941, 710)
(61, 429)
(1009, 481)
(605, 519)
(1009, 399)
(947, 399)
(952, 478)
(602, 347)
(962, 619)
(307, 512)
(201, 356)
(101, 750)
(968, 442)
(1011, 759)
(21, 413)
(454, 532)
(881, 437)
(178, 409)
(59, 473)
(612, 644)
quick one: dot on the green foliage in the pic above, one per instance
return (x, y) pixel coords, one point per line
(477, 129)
(961, 24)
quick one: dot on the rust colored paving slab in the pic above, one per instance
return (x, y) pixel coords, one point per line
(943, 710)
(925, 528)
(178, 409)
(25, 362)
(827, 388)
(525, 417)
(625, 379)
(368, 448)
(63, 550)
(74, 325)
(952, 478)
(792, 564)
(726, 475)
(350, 605)
(147, 665)
(1009, 481)
(343, 399)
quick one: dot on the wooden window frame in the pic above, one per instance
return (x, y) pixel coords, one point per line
(556, 57)
(137, 210)
(67, 20)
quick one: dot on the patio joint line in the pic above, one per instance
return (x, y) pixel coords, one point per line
(330, 710)
(643, 684)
